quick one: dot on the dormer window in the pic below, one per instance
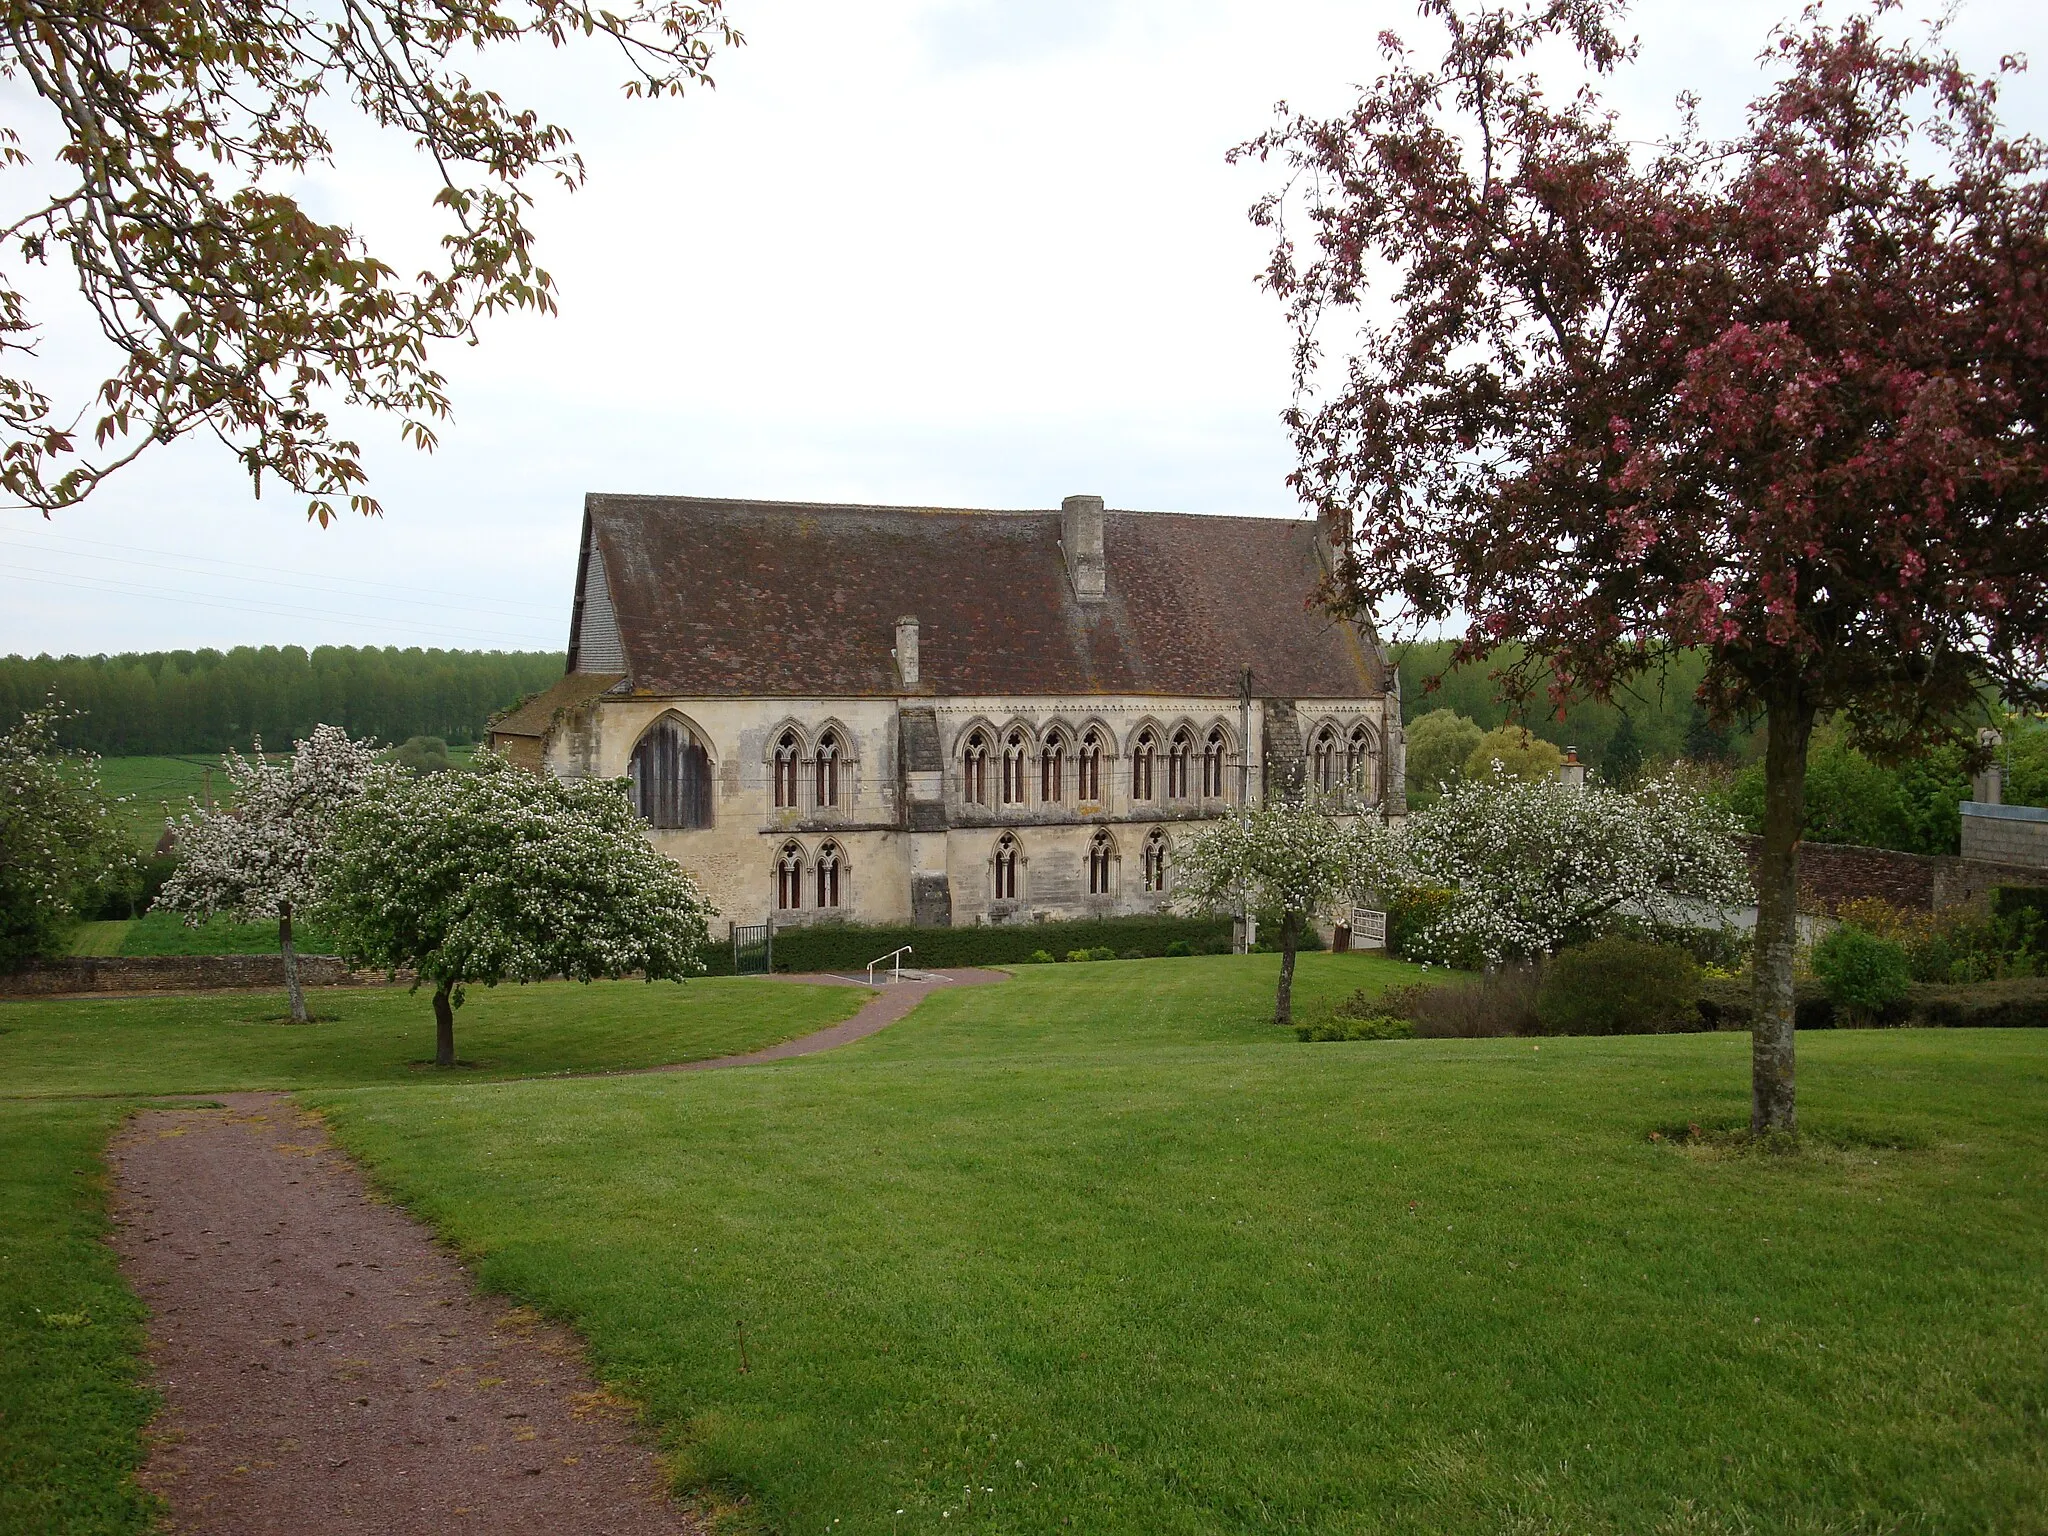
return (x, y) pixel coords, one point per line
(1178, 753)
(1088, 767)
(1215, 753)
(1142, 754)
(787, 751)
(1101, 856)
(974, 775)
(1052, 770)
(1013, 768)
(827, 774)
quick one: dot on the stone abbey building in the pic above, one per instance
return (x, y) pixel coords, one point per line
(909, 714)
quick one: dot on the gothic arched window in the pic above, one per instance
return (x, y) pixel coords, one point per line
(1323, 760)
(671, 774)
(789, 878)
(1155, 861)
(1359, 761)
(1052, 769)
(787, 750)
(1006, 868)
(828, 876)
(1215, 753)
(1101, 858)
(1088, 767)
(1142, 753)
(827, 775)
(1178, 752)
(1013, 768)
(974, 777)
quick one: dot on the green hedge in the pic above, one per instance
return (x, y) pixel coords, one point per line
(2018, 1002)
(848, 947)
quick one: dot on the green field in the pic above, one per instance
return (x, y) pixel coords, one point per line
(151, 789)
(1099, 1249)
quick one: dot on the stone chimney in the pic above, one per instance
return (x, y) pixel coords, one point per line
(1081, 539)
(906, 649)
(1571, 772)
(1988, 787)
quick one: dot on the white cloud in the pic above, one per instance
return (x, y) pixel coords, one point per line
(979, 252)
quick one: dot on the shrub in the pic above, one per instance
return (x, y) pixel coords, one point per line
(1411, 911)
(849, 946)
(1620, 986)
(1078, 954)
(2019, 1002)
(1729, 1003)
(1501, 1002)
(1178, 949)
(1041, 957)
(1101, 952)
(1378, 1026)
(1132, 954)
(1864, 975)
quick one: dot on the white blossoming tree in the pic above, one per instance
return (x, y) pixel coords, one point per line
(1531, 866)
(502, 875)
(255, 856)
(58, 841)
(1285, 857)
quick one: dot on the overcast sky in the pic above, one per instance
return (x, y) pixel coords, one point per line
(941, 252)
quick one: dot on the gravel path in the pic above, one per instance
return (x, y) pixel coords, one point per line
(329, 1369)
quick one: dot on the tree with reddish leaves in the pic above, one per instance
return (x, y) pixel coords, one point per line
(1779, 397)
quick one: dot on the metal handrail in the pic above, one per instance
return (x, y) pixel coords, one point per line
(895, 956)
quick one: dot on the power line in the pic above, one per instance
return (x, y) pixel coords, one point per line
(269, 572)
(130, 589)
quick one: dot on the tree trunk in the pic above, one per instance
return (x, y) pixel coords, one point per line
(291, 963)
(1772, 1103)
(444, 1026)
(1283, 1003)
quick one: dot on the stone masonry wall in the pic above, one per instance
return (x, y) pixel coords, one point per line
(1832, 873)
(2006, 834)
(177, 973)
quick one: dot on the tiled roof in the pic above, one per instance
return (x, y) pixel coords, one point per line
(723, 598)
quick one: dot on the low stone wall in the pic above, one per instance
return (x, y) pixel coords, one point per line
(177, 973)
(2006, 834)
(1832, 873)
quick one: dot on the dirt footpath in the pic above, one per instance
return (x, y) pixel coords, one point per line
(326, 1368)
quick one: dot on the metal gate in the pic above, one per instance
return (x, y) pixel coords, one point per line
(753, 949)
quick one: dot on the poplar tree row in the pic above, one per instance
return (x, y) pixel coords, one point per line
(163, 702)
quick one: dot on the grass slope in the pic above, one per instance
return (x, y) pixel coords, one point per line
(1100, 1250)
(71, 1404)
(197, 1044)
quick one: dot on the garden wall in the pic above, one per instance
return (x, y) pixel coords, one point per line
(1832, 873)
(176, 973)
(2008, 834)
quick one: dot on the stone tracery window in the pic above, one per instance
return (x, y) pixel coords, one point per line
(789, 878)
(1014, 749)
(1006, 868)
(1215, 754)
(974, 775)
(1101, 862)
(1323, 760)
(1052, 769)
(787, 751)
(1360, 768)
(1088, 767)
(1155, 861)
(1143, 751)
(1178, 753)
(827, 774)
(828, 877)
(671, 774)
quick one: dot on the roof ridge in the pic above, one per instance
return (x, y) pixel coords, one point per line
(768, 504)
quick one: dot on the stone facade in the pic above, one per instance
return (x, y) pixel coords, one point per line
(2006, 834)
(909, 790)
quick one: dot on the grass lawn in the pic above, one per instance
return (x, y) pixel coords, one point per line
(145, 786)
(1100, 1250)
(198, 1044)
(72, 1406)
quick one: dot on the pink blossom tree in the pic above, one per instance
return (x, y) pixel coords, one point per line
(1779, 397)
